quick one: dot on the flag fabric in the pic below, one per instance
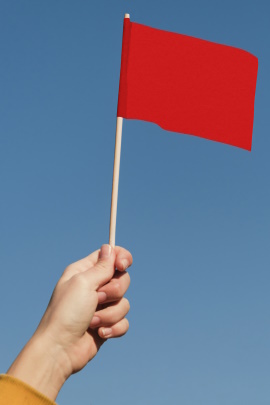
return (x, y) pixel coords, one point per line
(187, 85)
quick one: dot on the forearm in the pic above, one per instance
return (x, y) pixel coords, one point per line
(41, 365)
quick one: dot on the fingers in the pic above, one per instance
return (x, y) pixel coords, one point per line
(103, 270)
(123, 259)
(110, 315)
(117, 330)
(115, 289)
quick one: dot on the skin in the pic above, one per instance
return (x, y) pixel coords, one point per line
(86, 308)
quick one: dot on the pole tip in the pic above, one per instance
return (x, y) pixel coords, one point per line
(127, 15)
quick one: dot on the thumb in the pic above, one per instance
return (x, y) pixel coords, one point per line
(104, 269)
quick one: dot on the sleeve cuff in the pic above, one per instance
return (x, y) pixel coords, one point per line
(14, 391)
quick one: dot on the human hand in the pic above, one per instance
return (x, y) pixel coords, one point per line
(86, 308)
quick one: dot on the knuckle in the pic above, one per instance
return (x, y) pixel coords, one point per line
(102, 265)
(68, 270)
(117, 290)
(125, 327)
(110, 318)
(126, 324)
(126, 305)
(110, 314)
(105, 268)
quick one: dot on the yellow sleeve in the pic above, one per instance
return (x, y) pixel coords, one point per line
(13, 391)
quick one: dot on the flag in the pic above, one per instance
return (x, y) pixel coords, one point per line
(187, 85)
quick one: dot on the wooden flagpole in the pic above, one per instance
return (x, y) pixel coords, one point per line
(116, 169)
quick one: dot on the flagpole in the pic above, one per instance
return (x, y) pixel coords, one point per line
(116, 170)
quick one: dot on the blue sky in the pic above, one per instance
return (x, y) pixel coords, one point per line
(194, 213)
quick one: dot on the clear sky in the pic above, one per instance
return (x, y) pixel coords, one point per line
(194, 213)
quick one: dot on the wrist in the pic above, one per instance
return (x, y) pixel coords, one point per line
(42, 365)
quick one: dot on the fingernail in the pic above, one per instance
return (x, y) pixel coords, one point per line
(106, 332)
(102, 296)
(125, 264)
(95, 321)
(105, 251)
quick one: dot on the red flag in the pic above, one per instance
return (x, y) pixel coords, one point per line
(187, 85)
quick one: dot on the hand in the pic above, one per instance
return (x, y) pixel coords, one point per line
(86, 308)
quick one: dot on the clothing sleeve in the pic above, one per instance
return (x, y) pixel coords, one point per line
(13, 391)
